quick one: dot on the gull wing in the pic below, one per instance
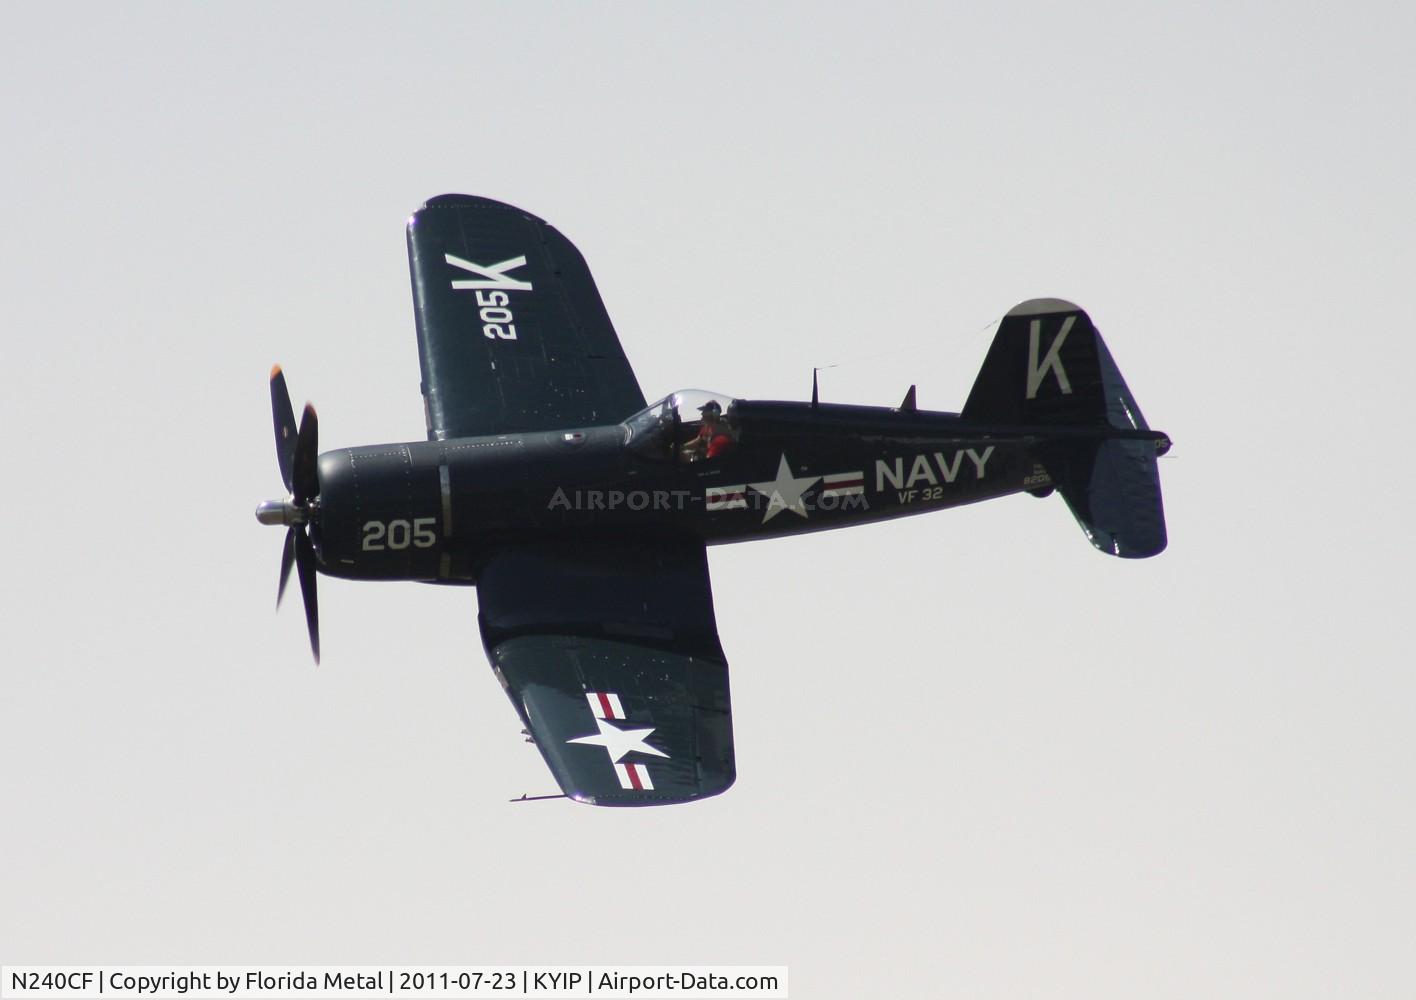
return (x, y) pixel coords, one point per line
(609, 651)
(512, 334)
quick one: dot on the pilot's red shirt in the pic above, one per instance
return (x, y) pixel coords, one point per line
(719, 442)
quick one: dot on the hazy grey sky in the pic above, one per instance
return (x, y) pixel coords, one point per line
(976, 757)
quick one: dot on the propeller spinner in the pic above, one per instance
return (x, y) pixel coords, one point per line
(297, 451)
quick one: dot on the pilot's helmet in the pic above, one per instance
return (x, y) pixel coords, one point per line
(712, 407)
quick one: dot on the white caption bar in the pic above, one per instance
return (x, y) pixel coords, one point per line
(407, 982)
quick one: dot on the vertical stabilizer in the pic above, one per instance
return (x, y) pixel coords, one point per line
(1048, 368)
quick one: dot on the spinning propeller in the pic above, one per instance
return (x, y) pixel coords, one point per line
(296, 450)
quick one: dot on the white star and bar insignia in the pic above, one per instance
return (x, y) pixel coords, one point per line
(619, 742)
(785, 492)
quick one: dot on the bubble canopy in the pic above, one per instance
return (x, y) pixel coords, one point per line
(691, 425)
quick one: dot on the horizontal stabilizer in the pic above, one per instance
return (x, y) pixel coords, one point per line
(1113, 489)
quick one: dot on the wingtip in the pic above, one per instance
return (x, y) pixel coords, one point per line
(275, 372)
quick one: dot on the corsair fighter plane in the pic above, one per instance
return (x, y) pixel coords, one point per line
(582, 514)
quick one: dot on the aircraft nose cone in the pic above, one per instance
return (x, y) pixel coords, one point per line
(269, 512)
(280, 512)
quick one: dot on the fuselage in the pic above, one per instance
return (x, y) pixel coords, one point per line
(434, 510)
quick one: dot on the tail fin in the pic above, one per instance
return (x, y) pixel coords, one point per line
(1048, 369)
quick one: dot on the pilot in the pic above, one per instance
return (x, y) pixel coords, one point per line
(714, 436)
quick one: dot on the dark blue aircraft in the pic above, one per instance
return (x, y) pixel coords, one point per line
(581, 514)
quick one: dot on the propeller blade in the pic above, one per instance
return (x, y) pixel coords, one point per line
(287, 562)
(305, 563)
(285, 431)
(297, 450)
(305, 476)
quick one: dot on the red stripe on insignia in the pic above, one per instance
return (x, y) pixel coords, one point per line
(633, 770)
(605, 705)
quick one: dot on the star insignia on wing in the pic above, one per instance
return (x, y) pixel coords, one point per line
(618, 742)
